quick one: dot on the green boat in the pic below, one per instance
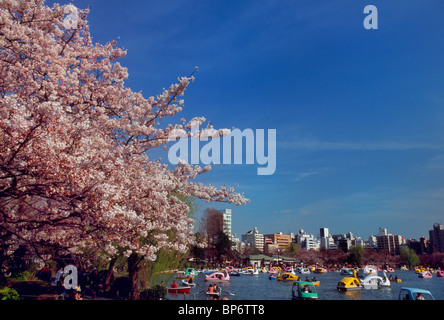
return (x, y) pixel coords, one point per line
(303, 290)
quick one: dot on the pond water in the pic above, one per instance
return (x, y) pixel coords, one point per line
(259, 287)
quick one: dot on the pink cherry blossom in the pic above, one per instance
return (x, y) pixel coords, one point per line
(74, 169)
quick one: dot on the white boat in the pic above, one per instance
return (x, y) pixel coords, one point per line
(370, 269)
(425, 274)
(304, 271)
(373, 281)
(386, 281)
(250, 272)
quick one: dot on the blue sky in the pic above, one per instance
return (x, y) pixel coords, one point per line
(359, 113)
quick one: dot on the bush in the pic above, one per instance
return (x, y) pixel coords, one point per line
(158, 292)
(7, 293)
(22, 276)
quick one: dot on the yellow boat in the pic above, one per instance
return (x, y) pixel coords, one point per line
(287, 276)
(349, 283)
(319, 270)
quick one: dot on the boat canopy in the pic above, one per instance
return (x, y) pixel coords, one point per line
(411, 293)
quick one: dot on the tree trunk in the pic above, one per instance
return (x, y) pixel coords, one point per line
(110, 273)
(133, 270)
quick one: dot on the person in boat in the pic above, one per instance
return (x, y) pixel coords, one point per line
(419, 296)
(211, 288)
(314, 279)
(174, 284)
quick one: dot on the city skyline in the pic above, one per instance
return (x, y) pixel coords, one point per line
(318, 234)
(358, 113)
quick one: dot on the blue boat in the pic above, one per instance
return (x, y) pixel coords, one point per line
(415, 294)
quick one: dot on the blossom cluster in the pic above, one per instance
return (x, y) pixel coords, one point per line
(74, 169)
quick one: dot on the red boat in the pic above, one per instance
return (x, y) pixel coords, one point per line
(179, 290)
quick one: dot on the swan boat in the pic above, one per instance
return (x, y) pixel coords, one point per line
(218, 277)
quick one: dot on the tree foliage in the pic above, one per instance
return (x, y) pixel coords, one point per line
(75, 170)
(74, 141)
(409, 257)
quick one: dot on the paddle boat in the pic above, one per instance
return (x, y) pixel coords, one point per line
(320, 270)
(302, 290)
(218, 277)
(349, 283)
(440, 273)
(304, 271)
(394, 279)
(312, 281)
(370, 269)
(346, 271)
(386, 281)
(176, 289)
(287, 276)
(425, 274)
(187, 283)
(420, 269)
(250, 272)
(373, 281)
(415, 294)
(191, 271)
(272, 276)
(213, 293)
(179, 290)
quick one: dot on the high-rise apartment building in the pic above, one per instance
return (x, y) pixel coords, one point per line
(227, 221)
(324, 238)
(306, 241)
(437, 237)
(254, 238)
(390, 243)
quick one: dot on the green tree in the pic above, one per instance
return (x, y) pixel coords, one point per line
(222, 245)
(292, 250)
(355, 255)
(409, 257)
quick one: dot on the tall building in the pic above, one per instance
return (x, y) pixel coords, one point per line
(437, 237)
(227, 221)
(389, 243)
(254, 238)
(324, 238)
(306, 241)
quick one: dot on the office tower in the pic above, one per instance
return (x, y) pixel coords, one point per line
(324, 238)
(227, 221)
(437, 237)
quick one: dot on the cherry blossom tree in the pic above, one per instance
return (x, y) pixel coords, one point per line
(74, 143)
